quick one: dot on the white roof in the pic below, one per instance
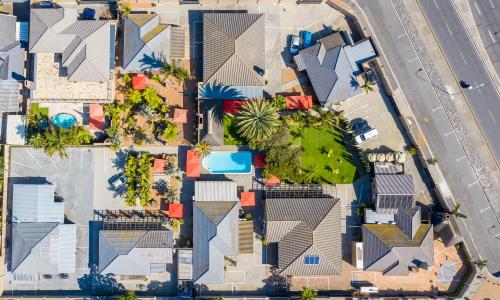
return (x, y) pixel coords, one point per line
(16, 130)
(215, 191)
(35, 203)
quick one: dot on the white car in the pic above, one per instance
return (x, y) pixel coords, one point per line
(370, 134)
(294, 45)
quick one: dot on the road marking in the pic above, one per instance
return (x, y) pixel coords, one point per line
(477, 8)
(491, 36)
(401, 35)
(448, 27)
(492, 5)
(435, 3)
(463, 58)
(436, 108)
(461, 158)
(491, 116)
(484, 209)
(475, 182)
(448, 133)
(413, 59)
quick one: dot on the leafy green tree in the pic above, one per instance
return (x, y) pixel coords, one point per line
(257, 120)
(367, 86)
(203, 149)
(152, 99)
(54, 139)
(125, 9)
(308, 294)
(170, 132)
(129, 295)
(280, 102)
(134, 97)
(175, 223)
(481, 264)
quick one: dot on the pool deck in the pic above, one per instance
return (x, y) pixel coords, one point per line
(75, 109)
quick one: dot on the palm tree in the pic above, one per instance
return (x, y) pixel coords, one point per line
(166, 69)
(203, 149)
(308, 294)
(367, 86)
(125, 9)
(257, 120)
(170, 132)
(129, 295)
(179, 72)
(456, 212)
(481, 264)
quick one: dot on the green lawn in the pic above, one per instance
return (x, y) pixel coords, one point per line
(231, 137)
(316, 143)
(39, 111)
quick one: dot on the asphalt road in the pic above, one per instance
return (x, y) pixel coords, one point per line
(467, 65)
(487, 18)
(396, 47)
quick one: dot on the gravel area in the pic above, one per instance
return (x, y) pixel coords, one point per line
(449, 107)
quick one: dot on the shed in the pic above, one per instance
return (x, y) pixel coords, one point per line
(16, 130)
(299, 102)
(193, 164)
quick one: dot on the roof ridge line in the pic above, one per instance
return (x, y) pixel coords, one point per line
(234, 48)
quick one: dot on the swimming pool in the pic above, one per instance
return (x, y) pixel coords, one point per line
(224, 162)
(64, 120)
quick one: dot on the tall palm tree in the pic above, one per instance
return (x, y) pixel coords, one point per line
(203, 149)
(367, 86)
(166, 69)
(481, 264)
(125, 9)
(308, 294)
(180, 72)
(257, 120)
(456, 212)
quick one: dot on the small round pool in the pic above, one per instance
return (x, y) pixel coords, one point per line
(64, 120)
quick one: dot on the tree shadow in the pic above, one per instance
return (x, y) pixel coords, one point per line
(276, 284)
(149, 62)
(218, 91)
(100, 285)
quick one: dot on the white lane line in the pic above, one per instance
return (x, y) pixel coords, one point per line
(436, 108)
(484, 209)
(492, 5)
(448, 27)
(413, 59)
(491, 36)
(491, 116)
(463, 58)
(475, 182)
(435, 3)
(401, 35)
(461, 158)
(477, 8)
(448, 133)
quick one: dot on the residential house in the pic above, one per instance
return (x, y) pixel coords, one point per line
(11, 64)
(41, 242)
(233, 56)
(135, 252)
(392, 191)
(305, 227)
(147, 42)
(333, 65)
(395, 249)
(73, 59)
(215, 229)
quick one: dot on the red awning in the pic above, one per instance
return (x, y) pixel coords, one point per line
(96, 117)
(159, 165)
(259, 160)
(231, 106)
(247, 199)
(272, 181)
(139, 82)
(175, 210)
(180, 115)
(299, 102)
(193, 162)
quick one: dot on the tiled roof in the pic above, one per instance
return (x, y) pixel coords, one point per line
(394, 184)
(233, 49)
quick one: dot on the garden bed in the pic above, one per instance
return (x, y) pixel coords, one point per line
(231, 136)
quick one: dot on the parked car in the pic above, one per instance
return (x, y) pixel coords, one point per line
(294, 45)
(465, 85)
(88, 14)
(46, 4)
(361, 138)
(118, 181)
(306, 37)
(359, 126)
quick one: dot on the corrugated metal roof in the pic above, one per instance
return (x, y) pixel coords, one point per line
(9, 95)
(233, 49)
(8, 32)
(66, 248)
(215, 191)
(394, 184)
(22, 31)
(35, 203)
(16, 130)
(223, 92)
(360, 53)
(185, 264)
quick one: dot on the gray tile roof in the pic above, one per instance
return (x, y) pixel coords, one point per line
(11, 65)
(134, 252)
(213, 122)
(35, 203)
(46, 248)
(332, 67)
(233, 49)
(224, 92)
(85, 45)
(8, 32)
(393, 191)
(305, 226)
(146, 42)
(9, 95)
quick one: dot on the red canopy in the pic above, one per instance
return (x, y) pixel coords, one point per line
(299, 102)
(96, 117)
(259, 160)
(159, 165)
(247, 199)
(139, 82)
(272, 181)
(180, 115)
(175, 210)
(193, 162)
(231, 106)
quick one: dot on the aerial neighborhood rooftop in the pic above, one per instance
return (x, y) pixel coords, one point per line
(198, 149)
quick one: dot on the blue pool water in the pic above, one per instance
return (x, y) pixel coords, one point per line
(64, 120)
(224, 162)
